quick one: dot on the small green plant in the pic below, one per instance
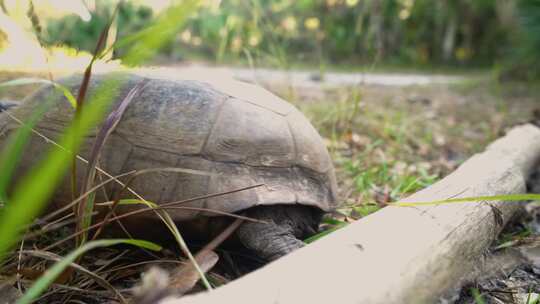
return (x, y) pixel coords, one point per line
(366, 209)
(332, 223)
(513, 238)
(478, 299)
(532, 298)
(369, 177)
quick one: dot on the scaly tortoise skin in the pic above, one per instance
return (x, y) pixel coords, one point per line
(241, 134)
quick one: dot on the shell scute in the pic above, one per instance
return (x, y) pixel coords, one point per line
(250, 134)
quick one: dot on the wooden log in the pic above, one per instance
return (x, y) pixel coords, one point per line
(399, 254)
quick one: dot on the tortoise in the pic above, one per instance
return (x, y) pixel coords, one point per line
(240, 133)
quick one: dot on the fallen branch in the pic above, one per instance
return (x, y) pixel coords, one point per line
(400, 254)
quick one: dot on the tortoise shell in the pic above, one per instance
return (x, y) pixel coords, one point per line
(240, 133)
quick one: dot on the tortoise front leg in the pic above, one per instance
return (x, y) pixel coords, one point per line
(279, 235)
(268, 241)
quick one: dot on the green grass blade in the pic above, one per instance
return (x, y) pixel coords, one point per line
(26, 81)
(81, 98)
(86, 208)
(25, 205)
(503, 197)
(11, 154)
(478, 299)
(531, 300)
(169, 222)
(134, 201)
(317, 236)
(52, 273)
(145, 44)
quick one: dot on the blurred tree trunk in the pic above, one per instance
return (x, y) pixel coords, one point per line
(449, 23)
(449, 40)
(360, 29)
(376, 22)
(507, 15)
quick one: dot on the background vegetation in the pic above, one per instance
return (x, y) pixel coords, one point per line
(482, 33)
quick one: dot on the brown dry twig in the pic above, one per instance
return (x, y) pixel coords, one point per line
(185, 277)
(98, 279)
(168, 206)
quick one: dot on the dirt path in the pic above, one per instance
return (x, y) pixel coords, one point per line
(308, 79)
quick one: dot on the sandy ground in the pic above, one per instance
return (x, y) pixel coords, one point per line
(310, 79)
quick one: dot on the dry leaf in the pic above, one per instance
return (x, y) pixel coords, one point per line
(186, 276)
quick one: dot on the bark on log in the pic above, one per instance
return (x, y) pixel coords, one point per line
(399, 254)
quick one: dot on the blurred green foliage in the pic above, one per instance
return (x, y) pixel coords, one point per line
(524, 60)
(74, 32)
(419, 32)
